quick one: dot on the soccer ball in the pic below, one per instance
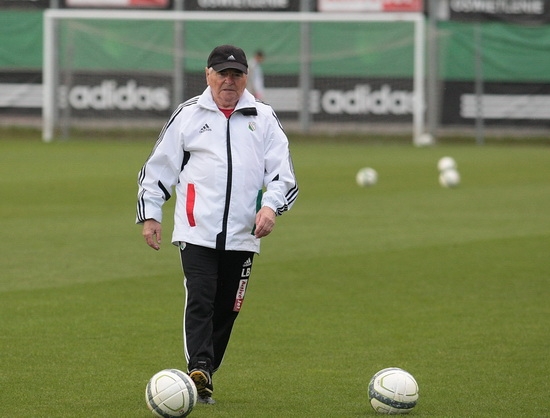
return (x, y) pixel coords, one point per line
(424, 139)
(449, 178)
(446, 163)
(366, 177)
(393, 391)
(171, 393)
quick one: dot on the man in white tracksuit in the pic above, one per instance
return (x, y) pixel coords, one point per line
(228, 159)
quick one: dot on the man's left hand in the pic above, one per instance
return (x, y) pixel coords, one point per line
(265, 221)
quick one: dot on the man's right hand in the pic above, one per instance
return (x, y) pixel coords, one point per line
(152, 232)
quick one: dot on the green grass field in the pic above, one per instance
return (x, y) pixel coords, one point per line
(451, 285)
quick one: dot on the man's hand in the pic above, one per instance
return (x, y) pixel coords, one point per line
(152, 232)
(265, 221)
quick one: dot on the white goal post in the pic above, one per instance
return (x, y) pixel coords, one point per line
(52, 18)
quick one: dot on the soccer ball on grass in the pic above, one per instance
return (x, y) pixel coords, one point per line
(449, 178)
(366, 176)
(171, 393)
(446, 163)
(393, 391)
(448, 172)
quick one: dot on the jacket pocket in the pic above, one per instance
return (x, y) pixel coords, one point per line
(190, 204)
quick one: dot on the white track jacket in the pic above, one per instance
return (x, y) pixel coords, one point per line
(223, 171)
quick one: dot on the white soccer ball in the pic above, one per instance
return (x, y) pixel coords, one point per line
(449, 178)
(393, 391)
(446, 163)
(424, 139)
(366, 177)
(171, 393)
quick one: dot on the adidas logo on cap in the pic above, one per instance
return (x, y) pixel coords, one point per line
(227, 56)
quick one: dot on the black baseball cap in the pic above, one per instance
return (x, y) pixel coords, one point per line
(228, 56)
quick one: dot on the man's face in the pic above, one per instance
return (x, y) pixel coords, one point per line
(227, 86)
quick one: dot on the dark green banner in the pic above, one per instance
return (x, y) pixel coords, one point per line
(512, 11)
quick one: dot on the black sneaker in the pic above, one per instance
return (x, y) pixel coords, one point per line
(202, 378)
(206, 400)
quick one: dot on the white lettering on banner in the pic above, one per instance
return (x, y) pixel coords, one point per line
(529, 7)
(109, 95)
(399, 3)
(20, 95)
(240, 295)
(369, 5)
(117, 3)
(243, 4)
(362, 100)
(350, 5)
(506, 106)
(402, 5)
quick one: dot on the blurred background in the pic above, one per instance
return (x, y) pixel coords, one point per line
(428, 68)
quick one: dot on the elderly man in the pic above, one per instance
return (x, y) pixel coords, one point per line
(228, 159)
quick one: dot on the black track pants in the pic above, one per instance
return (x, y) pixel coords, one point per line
(215, 284)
